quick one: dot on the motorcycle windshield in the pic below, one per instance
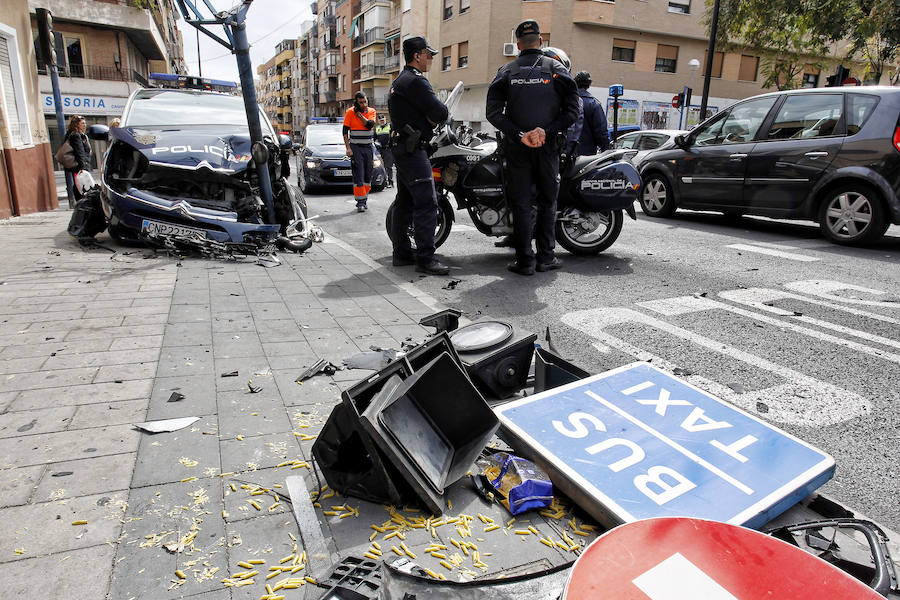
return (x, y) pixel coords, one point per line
(453, 98)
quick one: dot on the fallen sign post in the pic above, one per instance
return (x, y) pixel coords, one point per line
(635, 443)
(681, 558)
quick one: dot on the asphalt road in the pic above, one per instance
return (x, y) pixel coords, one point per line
(765, 314)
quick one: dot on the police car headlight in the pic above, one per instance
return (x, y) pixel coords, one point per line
(377, 162)
(312, 164)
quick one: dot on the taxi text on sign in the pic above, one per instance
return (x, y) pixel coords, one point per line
(637, 443)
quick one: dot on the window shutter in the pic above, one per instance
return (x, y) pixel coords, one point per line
(9, 94)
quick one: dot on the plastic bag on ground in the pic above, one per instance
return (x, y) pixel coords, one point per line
(521, 483)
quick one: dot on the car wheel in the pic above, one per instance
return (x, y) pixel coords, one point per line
(852, 214)
(658, 197)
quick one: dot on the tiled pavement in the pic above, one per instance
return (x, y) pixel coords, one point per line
(91, 342)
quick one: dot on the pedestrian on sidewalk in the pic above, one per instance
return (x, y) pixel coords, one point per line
(532, 101)
(81, 148)
(415, 110)
(359, 139)
(383, 140)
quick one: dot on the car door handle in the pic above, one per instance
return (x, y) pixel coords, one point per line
(738, 156)
(818, 154)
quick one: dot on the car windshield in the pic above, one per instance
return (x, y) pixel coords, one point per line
(180, 108)
(324, 135)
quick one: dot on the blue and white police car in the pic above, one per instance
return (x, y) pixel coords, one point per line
(181, 164)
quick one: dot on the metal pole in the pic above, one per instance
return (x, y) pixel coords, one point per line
(248, 89)
(199, 64)
(710, 56)
(615, 118)
(61, 124)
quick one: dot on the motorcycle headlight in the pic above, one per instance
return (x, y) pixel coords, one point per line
(377, 162)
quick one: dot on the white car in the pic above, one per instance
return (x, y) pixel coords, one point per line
(643, 142)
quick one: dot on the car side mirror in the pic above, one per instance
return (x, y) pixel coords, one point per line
(98, 132)
(681, 141)
(285, 142)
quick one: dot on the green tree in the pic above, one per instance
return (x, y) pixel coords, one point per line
(874, 33)
(788, 35)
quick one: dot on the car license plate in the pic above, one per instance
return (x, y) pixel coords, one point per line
(160, 228)
(343, 173)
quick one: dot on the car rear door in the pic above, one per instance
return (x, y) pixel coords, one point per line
(804, 137)
(712, 169)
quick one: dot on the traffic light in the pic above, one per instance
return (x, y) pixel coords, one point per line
(46, 38)
(838, 78)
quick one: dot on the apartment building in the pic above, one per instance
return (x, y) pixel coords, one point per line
(646, 45)
(106, 49)
(275, 85)
(27, 183)
(372, 20)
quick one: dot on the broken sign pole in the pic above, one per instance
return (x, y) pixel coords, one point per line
(234, 24)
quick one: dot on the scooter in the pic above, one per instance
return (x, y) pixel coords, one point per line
(594, 190)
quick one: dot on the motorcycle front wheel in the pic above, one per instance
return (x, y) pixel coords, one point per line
(441, 231)
(582, 232)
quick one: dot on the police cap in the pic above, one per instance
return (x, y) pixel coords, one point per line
(529, 27)
(415, 44)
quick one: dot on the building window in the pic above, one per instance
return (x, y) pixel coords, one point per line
(15, 130)
(749, 65)
(718, 58)
(666, 58)
(623, 50)
(463, 54)
(445, 59)
(463, 6)
(810, 80)
(448, 9)
(680, 6)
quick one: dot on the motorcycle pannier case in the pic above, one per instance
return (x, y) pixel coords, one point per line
(607, 186)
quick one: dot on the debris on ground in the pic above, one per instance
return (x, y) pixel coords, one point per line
(520, 483)
(254, 389)
(230, 374)
(373, 360)
(320, 366)
(166, 425)
(176, 397)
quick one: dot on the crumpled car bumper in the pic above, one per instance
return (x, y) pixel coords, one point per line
(129, 213)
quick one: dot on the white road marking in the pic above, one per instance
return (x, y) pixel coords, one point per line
(803, 400)
(662, 307)
(772, 252)
(677, 578)
(824, 288)
(758, 297)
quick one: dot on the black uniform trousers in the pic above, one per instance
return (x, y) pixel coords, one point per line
(387, 158)
(416, 201)
(527, 170)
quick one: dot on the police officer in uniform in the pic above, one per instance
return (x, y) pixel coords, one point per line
(415, 110)
(532, 102)
(383, 141)
(594, 133)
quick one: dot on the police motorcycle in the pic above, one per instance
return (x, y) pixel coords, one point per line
(594, 190)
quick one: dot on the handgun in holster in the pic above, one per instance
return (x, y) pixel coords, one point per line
(410, 138)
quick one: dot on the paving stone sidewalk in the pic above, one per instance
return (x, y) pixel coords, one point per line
(92, 342)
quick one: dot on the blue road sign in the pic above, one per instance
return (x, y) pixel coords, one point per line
(635, 443)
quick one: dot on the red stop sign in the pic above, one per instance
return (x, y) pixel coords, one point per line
(675, 101)
(682, 558)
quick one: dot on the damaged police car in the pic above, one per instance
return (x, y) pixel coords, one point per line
(181, 164)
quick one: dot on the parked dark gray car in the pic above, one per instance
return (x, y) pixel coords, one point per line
(831, 155)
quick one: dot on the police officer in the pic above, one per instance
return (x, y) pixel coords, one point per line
(594, 130)
(415, 110)
(532, 102)
(383, 141)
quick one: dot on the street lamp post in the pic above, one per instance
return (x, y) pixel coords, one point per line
(693, 65)
(710, 56)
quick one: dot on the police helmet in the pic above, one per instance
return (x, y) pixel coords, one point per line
(559, 55)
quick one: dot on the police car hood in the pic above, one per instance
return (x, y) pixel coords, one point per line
(330, 151)
(189, 147)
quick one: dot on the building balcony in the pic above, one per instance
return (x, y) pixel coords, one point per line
(379, 103)
(136, 23)
(330, 70)
(393, 24)
(392, 63)
(314, 7)
(368, 72)
(100, 72)
(328, 96)
(376, 34)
